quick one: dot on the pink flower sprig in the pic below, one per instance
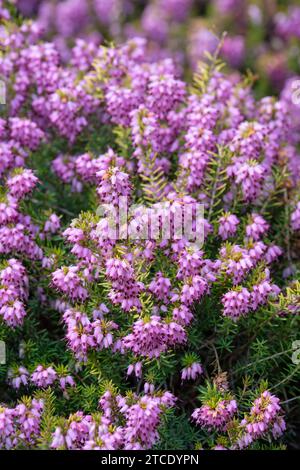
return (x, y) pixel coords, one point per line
(265, 417)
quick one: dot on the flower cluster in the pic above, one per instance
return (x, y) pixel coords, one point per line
(20, 426)
(42, 377)
(215, 415)
(219, 412)
(14, 285)
(83, 334)
(265, 417)
(150, 337)
(128, 423)
(174, 28)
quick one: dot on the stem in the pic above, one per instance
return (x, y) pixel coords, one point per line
(286, 379)
(290, 400)
(214, 190)
(263, 360)
(217, 358)
(287, 215)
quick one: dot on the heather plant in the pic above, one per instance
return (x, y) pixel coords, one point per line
(144, 342)
(261, 35)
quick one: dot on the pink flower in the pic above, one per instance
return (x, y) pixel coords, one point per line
(21, 183)
(52, 224)
(18, 377)
(160, 287)
(13, 313)
(257, 227)
(215, 416)
(264, 417)
(237, 303)
(43, 377)
(295, 218)
(136, 369)
(191, 372)
(228, 225)
(183, 315)
(150, 337)
(69, 281)
(193, 291)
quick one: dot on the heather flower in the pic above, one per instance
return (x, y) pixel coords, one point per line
(18, 377)
(64, 167)
(21, 183)
(165, 93)
(226, 7)
(71, 16)
(272, 253)
(190, 262)
(112, 184)
(13, 313)
(233, 50)
(202, 40)
(8, 294)
(87, 166)
(236, 303)
(7, 157)
(52, 224)
(264, 417)
(107, 11)
(155, 24)
(219, 447)
(149, 388)
(15, 276)
(7, 432)
(79, 335)
(68, 281)
(212, 143)
(118, 269)
(127, 295)
(182, 315)
(191, 372)
(75, 434)
(194, 290)
(26, 132)
(142, 420)
(287, 24)
(74, 235)
(215, 414)
(66, 381)
(28, 421)
(68, 107)
(100, 312)
(256, 251)
(137, 428)
(148, 134)
(250, 175)
(150, 337)
(125, 289)
(136, 369)
(262, 291)
(228, 225)
(295, 218)
(160, 287)
(58, 439)
(83, 54)
(238, 263)
(102, 333)
(8, 210)
(43, 377)
(257, 227)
